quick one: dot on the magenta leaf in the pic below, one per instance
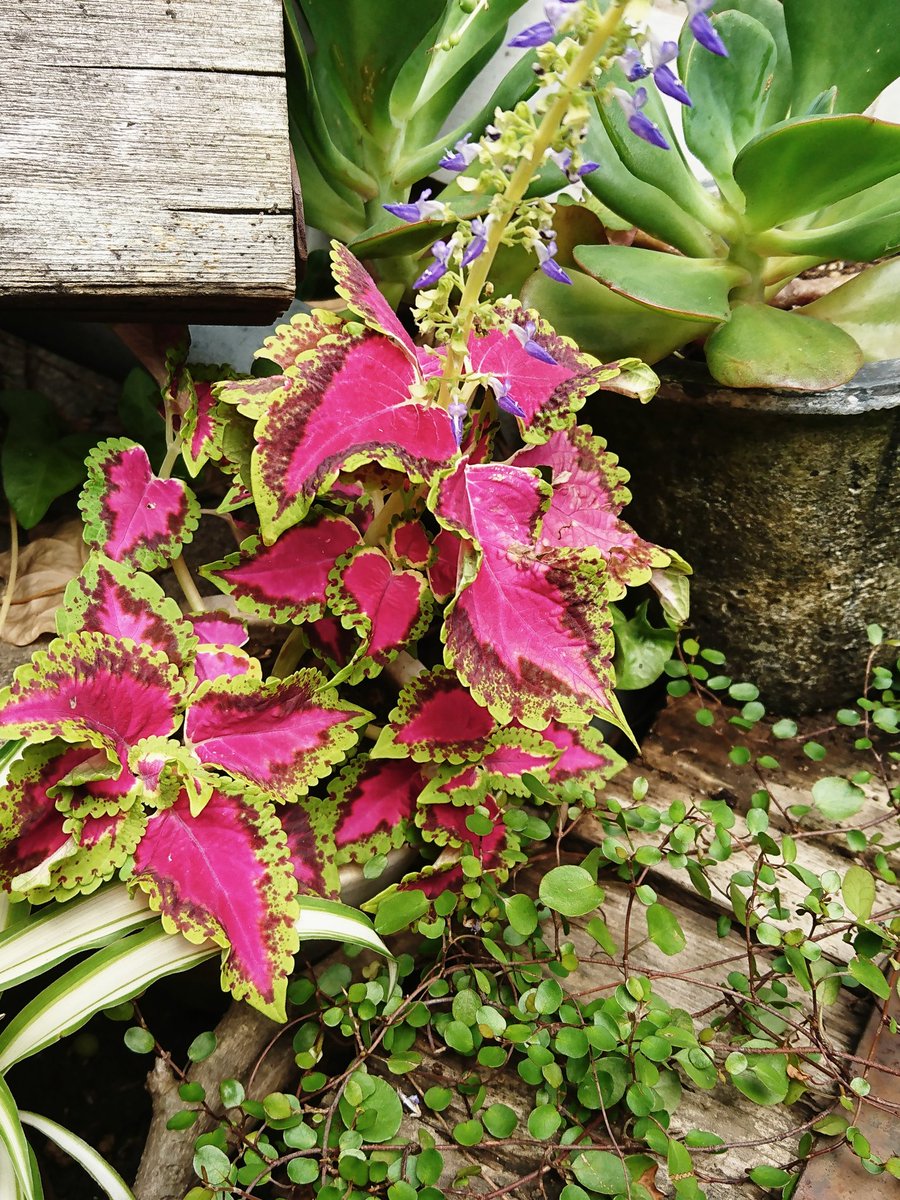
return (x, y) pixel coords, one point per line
(388, 609)
(226, 875)
(436, 720)
(446, 823)
(408, 544)
(219, 629)
(312, 854)
(358, 288)
(286, 581)
(93, 688)
(589, 492)
(375, 805)
(99, 846)
(283, 734)
(130, 514)
(529, 632)
(336, 646)
(585, 763)
(109, 598)
(347, 404)
(548, 394)
(509, 754)
(443, 572)
(214, 662)
(32, 830)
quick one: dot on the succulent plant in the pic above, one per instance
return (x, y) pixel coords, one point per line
(799, 177)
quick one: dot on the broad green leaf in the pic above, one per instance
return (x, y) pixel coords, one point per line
(860, 239)
(802, 165)
(641, 650)
(837, 798)
(770, 14)
(837, 43)
(730, 95)
(865, 972)
(570, 890)
(858, 891)
(38, 464)
(12, 1137)
(767, 347)
(866, 307)
(600, 1172)
(770, 1177)
(606, 324)
(664, 929)
(690, 289)
(765, 1081)
(108, 977)
(113, 1185)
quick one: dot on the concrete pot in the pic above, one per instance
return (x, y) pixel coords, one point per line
(786, 505)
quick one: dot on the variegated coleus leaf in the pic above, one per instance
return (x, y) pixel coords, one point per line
(589, 492)
(436, 720)
(544, 390)
(286, 581)
(408, 544)
(443, 572)
(375, 802)
(109, 598)
(98, 847)
(388, 609)
(219, 652)
(334, 645)
(226, 875)
(202, 422)
(283, 735)
(347, 404)
(355, 285)
(131, 515)
(529, 631)
(311, 849)
(91, 687)
(585, 763)
(510, 753)
(219, 628)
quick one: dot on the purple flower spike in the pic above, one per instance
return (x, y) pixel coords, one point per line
(663, 75)
(556, 12)
(478, 243)
(702, 27)
(505, 401)
(461, 156)
(549, 265)
(525, 337)
(457, 413)
(432, 273)
(638, 123)
(421, 210)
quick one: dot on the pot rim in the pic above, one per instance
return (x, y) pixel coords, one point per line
(875, 387)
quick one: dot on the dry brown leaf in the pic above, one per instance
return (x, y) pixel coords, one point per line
(45, 567)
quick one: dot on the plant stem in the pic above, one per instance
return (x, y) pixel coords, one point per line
(289, 654)
(188, 587)
(13, 569)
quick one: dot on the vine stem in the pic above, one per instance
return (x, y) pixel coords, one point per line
(187, 585)
(519, 181)
(13, 569)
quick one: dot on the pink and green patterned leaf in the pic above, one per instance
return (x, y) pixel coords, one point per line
(90, 687)
(375, 804)
(547, 393)
(355, 285)
(201, 427)
(509, 754)
(81, 797)
(283, 735)
(219, 628)
(388, 609)
(32, 830)
(529, 633)
(334, 645)
(589, 492)
(436, 720)
(100, 845)
(443, 572)
(586, 762)
(109, 598)
(408, 544)
(346, 405)
(226, 875)
(216, 662)
(130, 514)
(312, 855)
(296, 338)
(285, 581)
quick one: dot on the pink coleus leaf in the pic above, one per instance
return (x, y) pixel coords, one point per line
(202, 424)
(408, 544)
(586, 762)
(589, 492)
(375, 804)
(226, 875)
(109, 598)
(312, 855)
(509, 754)
(286, 581)
(346, 405)
(529, 632)
(214, 662)
(543, 394)
(90, 687)
(282, 734)
(32, 830)
(358, 288)
(389, 609)
(443, 572)
(98, 847)
(130, 514)
(446, 823)
(436, 720)
(336, 646)
(219, 629)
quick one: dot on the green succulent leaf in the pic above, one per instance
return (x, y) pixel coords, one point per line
(867, 308)
(769, 14)
(767, 347)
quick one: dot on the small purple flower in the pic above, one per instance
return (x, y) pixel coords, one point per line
(702, 27)
(663, 75)
(432, 273)
(421, 210)
(461, 156)
(505, 401)
(638, 123)
(556, 12)
(525, 336)
(457, 413)
(546, 252)
(633, 65)
(586, 169)
(478, 243)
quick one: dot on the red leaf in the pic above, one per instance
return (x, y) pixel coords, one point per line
(436, 720)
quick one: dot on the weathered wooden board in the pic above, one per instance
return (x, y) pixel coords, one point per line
(144, 158)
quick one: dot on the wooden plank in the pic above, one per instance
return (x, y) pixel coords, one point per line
(145, 159)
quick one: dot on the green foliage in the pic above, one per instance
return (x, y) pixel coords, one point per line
(41, 460)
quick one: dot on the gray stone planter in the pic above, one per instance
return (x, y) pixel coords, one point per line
(787, 505)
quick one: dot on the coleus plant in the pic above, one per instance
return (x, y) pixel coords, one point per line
(800, 178)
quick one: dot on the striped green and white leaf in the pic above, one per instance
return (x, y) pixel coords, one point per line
(332, 921)
(113, 1185)
(12, 1136)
